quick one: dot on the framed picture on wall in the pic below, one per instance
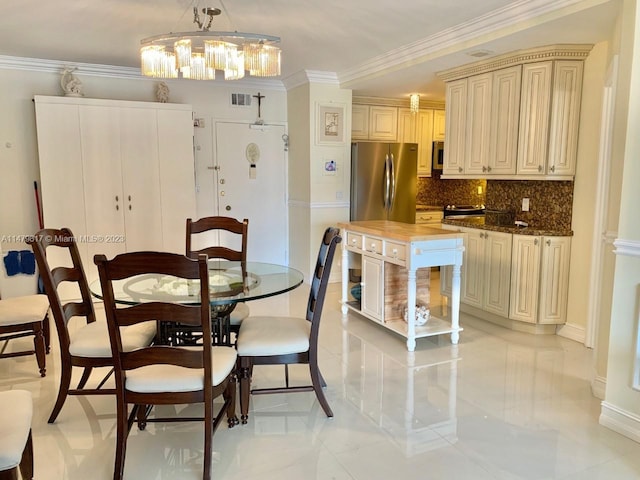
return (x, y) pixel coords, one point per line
(330, 124)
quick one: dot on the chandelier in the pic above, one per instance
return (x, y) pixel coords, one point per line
(197, 55)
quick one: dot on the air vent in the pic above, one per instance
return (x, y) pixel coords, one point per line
(241, 99)
(480, 53)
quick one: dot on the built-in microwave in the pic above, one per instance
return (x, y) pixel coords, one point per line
(438, 155)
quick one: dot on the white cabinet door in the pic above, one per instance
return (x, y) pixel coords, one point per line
(102, 180)
(373, 287)
(141, 179)
(360, 122)
(554, 279)
(424, 134)
(406, 126)
(565, 117)
(455, 127)
(383, 123)
(439, 122)
(505, 110)
(497, 272)
(535, 101)
(525, 278)
(177, 175)
(472, 272)
(479, 120)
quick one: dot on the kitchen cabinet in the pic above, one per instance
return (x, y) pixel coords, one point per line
(519, 122)
(430, 217)
(455, 127)
(418, 128)
(374, 122)
(120, 174)
(439, 121)
(383, 123)
(395, 258)
(505, 276)
(540, 279)
(360, 122)
(486, 270)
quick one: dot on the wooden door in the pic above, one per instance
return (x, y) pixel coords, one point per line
(479, 122)
(373, 287)
(497, 273)
(505, 108)
(258, 193)
(525, 278)
(472, 271)
(554, 279)
(424, 137)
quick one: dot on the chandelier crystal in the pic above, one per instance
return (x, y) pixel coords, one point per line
(197, 55)
(414, 102)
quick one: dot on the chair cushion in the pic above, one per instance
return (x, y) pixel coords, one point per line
(92, 340)
(21, 310)
(239, 313)
(172, 378)
(16, 410)
(266, 336)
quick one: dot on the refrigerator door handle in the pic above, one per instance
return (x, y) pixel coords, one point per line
(392, 190)
(386, 183)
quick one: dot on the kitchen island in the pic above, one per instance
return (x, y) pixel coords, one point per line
(396, 258)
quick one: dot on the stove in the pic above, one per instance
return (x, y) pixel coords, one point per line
(460, 211)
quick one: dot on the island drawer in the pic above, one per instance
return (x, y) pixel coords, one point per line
(395, 250)
(373, 245)
(354, 240)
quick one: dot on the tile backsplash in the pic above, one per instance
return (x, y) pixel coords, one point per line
(550, 202)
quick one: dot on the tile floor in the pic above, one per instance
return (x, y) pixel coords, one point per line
(500, 405)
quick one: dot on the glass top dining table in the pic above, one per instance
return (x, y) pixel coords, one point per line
(229, 283)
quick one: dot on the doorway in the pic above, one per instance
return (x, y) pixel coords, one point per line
(250, 182)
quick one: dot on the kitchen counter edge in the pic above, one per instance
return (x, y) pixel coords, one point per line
(480, 225)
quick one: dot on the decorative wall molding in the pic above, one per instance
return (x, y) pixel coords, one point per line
(548, 52)
(630, 248)
(109, 71)
(317, 205)
(572, 332)
(621, 421)
(506, 17)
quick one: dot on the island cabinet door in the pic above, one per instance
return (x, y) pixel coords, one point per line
(373, 287)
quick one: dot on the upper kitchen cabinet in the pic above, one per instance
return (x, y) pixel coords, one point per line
(515, 116)
(391, 120)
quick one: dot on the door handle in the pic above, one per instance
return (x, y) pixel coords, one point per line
(393, 181)
(386, 182)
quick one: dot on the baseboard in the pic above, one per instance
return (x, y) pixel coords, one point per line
(598, 387)
(572, 332)
(621, 421)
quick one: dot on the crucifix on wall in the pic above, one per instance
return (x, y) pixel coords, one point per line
(259, 120)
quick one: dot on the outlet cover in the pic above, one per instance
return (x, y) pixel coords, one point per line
(525, 204)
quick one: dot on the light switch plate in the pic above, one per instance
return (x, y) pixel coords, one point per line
(525, 204)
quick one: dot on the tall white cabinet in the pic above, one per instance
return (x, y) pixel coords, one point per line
(119, 174)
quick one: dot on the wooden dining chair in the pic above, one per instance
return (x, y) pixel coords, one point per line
(163, 374)
(26, 316)
(239, 231)
(16, 445)
(85, 345)
(288, 340)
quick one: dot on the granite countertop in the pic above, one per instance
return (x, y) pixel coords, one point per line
(479, 222)
(429, 208)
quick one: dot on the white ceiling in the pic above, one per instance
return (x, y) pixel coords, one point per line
(378, 48)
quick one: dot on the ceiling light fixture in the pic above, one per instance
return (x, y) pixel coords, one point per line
(197, 55)
(414, 102)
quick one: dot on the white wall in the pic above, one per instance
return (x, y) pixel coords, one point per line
(18, 146)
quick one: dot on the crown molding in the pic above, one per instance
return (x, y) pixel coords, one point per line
(304, 77)
(538, 54)
(394, 102)
(110, 71)
(418, 52)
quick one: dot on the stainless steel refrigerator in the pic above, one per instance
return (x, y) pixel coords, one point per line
(384, 181)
